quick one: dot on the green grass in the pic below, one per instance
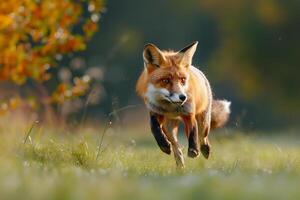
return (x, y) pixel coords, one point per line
(61, 164)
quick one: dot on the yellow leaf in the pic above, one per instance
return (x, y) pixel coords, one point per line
(5, 21)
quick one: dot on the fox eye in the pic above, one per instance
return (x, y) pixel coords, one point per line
(166, 80)
(183, 80)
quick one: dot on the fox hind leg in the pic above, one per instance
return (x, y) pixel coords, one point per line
(204, 129)
(205, 147)
(191, 129)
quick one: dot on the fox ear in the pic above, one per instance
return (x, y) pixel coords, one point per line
(152, 55)
(186, 54)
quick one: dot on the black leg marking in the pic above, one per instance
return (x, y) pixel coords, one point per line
(193, 150)
(205, 147)
(159, 136)
(205, 150)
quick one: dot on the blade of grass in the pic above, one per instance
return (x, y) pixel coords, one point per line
(108, 123)
(27, 135)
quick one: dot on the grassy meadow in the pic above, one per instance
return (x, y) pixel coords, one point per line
(66, 163)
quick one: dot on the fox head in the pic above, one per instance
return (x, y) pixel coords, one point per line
(167, 74)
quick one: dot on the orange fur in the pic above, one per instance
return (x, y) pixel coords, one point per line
(171, 67)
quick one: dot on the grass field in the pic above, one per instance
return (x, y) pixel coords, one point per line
(62, 164)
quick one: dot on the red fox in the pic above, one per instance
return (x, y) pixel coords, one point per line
(173, 91)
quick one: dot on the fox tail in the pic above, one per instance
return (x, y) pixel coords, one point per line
(220, 113)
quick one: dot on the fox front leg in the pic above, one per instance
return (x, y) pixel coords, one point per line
(191, 129)
(160, 137)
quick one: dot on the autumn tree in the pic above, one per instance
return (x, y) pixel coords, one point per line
(35, 34)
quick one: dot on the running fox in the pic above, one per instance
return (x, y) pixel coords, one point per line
(173, 91)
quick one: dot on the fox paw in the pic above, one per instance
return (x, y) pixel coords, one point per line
(193, 153)
(205, 150)
(166, 149)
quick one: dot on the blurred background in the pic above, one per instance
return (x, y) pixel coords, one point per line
(74, 61)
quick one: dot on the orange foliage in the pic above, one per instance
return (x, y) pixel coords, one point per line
(65, 91)
(32, 32)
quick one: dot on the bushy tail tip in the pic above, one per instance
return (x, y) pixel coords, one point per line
(220, 113)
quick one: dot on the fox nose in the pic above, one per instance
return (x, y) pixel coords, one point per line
(182, 97)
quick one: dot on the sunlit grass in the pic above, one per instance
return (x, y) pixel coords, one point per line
(61, 164)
